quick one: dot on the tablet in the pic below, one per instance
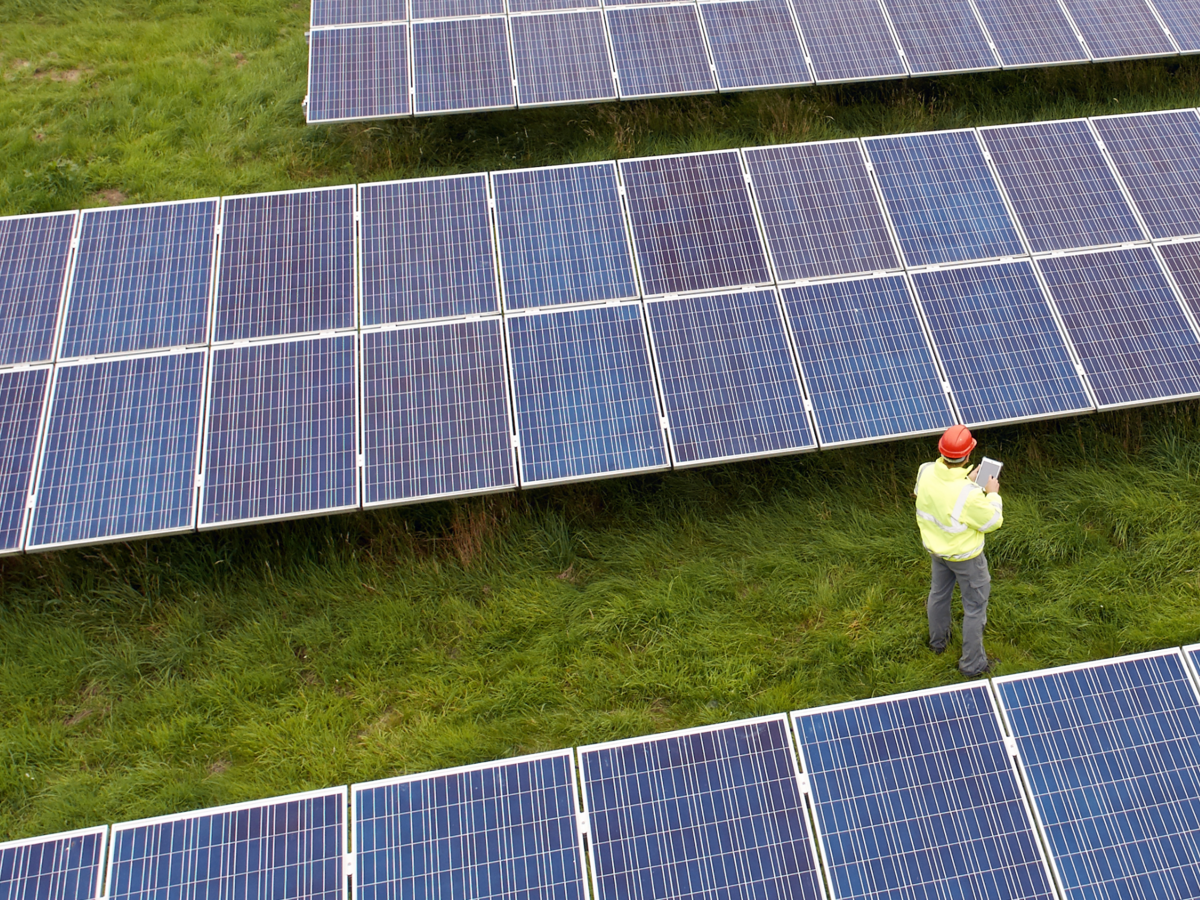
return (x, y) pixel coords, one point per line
(987, 469)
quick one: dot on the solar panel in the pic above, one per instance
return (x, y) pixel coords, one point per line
(496, 830)
(121, 445)
(444, 9)
(848, 40)
(866, 360)
(916, 795)
(22, 402)
(693, 224)
(562, 58)
(659, 51)
(754, 44)
(435, 412)
(729, 383)
(426, 249)
(358, 73)
(942, 198)
(64, 866)
(1158, 156)
(282, 433)
(1128, 328)
(357, 12)
(708, 813)
(286, 264)
(285, 848)
(462, 65)
(527, 6)
(941, 36)
(142, 279)
(820, 213)
(34, 252)
(583, 394)
(1119, 29)
(1030, 32)
(1111, 754)
(562, 236)
(1183, 262)
(1001, 347)
(1182, 19)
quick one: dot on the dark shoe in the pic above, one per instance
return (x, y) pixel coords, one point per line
(992, 662)
(938, 651)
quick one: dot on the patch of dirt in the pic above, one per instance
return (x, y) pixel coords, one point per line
(84, 713)
(112, 197)
(71, 75)
(239, 58)
(39, 136)
(219, 767)
(19, 64)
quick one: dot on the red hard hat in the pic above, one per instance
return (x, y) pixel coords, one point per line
(956, 443)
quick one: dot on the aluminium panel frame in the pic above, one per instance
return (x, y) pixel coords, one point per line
(659, 4)
(101, 857)
(336, 120)
(608, 49)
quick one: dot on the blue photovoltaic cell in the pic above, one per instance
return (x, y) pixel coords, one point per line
(866, 360)
(1111, 754)
(441, 9)
(282, 431)
(584, 394)
(427, 250)
(916, 796)
(562, 236)
(659, 51)
(942, 198)
(57, 867)
(121, 449)
(462, 64)
(848, 40)
(358, 73)
(1128, 328)
(1065, 195)
(729, 383)
(1158, 156)
(940, 36)
(1030, 32)
(1116, 29)
(707, 814)
(1000, 345)
(34, 251)
(22, 398)
(754, 44)
(286, 264)
(506, 829)
(562, 58)
(357, 12)
(288, 848)
(1183, 20)
(525, 6)
(1183, 262)
(142, 279)
(819, 210)
(435, 412)
(693, 225)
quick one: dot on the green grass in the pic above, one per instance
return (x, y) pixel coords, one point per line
(173, 674)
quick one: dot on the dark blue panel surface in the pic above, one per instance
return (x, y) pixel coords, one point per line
(659, 51)
(282, 431)
(819, 210)
(1183, 262)
(121, 449)
(754, 44)
(427, 250)
(58, 867)
(462, 64)
(1183, 20)
(848, 40)
(507, 829)
(357, 12)
(708, 814)
(34, 251)
(1116, 29)
(866, 360)
(143, 276)
(693, 225)
(1111, 754)
(940, 36)
(358, 73)
(1000, 345)
(916, 796)
(562, 236)
(22, 400)
(584, 394)
(1127, 326)
(438, 9)
(521, 6)
(562, 58)
(290, 848)
(435, 412)
(286, 264)
(942, 198)
(1030, 32)
(729, 382)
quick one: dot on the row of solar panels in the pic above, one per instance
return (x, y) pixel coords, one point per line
(1080, 782)
(385, 58)
(207, 363)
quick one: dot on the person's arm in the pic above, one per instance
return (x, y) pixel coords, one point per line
(984, 510)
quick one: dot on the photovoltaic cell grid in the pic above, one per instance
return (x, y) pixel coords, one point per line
(357, 12)
(526, 6)
(754, 44)
(435, 412)
(1183, 262)
(941, 36)
(34, 252)
(358, 73)
(728, 379)
(917, 796)
(704, 814)
(57, 867)
(1111, 753)
(440, 9)
(848, 40)
(1183, 21)
(462, 65)
(1030, 32)
(659, 51)
(503, 829)
(286, 848)
(562, 58)
(22, 400)
(1119, 29)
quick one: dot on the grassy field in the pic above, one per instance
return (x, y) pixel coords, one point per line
(173, 674)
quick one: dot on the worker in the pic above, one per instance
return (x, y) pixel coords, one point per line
(953, 515)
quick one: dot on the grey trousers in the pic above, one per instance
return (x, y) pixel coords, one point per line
(975, 584)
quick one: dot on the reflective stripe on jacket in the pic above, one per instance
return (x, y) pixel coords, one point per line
(953, 512)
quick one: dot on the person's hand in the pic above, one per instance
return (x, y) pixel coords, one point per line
(993, 485)
(974, 472)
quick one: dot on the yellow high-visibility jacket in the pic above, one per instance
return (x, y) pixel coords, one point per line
(953, 512)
